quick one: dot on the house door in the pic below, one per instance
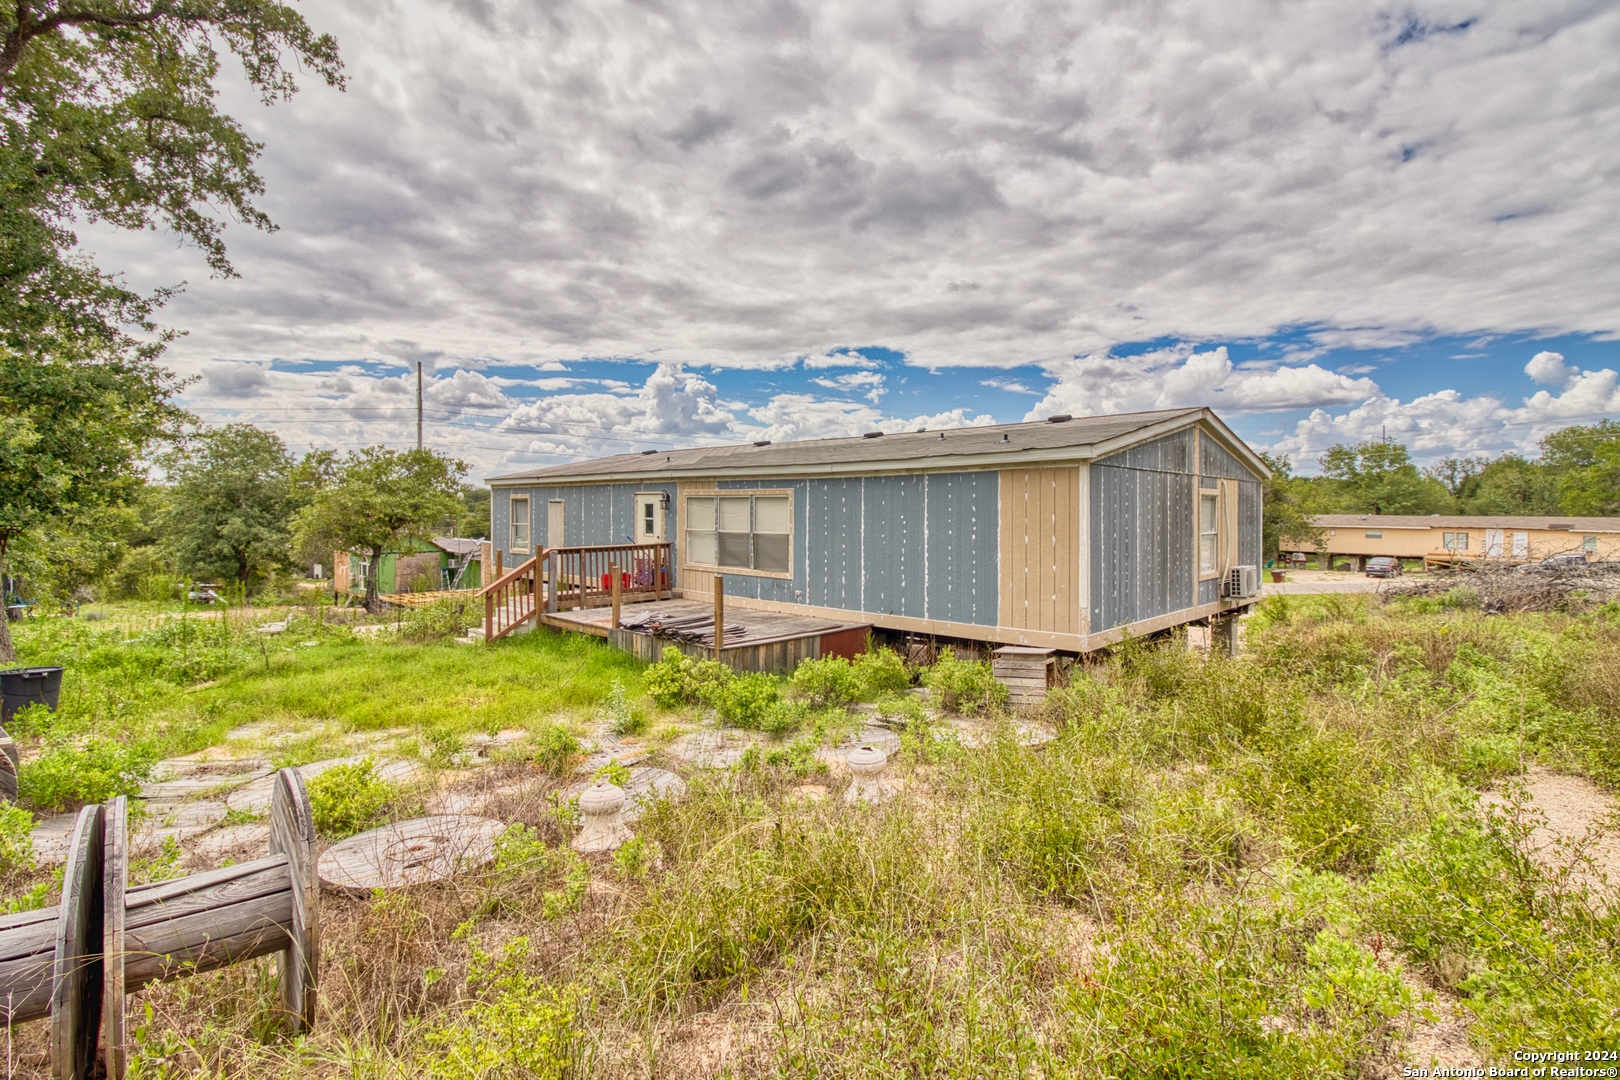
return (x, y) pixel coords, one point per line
(1493, 543)
(554, 524)
(650, 518)
(1521, 545)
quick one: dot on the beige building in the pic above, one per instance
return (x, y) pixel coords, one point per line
(1440, 538)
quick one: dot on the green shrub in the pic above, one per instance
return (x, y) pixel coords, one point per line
(520, 1026)
(65, 776)
(347, 799)
(678, 679)
(16, 841)
(438, 620)
(553, 748)
(441, 746)
(620, 713)
(880, 672)
(963, 686)
(746, 700)
(826, 681)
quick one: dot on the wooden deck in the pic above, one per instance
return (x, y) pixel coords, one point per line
(754, 641)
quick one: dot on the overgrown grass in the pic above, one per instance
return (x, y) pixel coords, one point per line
(130, 699)
(1262, 867)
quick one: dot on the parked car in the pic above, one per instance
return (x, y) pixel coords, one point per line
(1383, 566)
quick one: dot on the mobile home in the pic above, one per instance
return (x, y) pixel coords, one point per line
(1064, 533)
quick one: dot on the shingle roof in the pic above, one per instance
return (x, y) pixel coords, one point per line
(908, 448)
(1462, 521)
(457, 545)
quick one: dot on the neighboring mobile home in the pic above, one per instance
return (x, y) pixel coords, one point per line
(1061, 534)
(1454, 538)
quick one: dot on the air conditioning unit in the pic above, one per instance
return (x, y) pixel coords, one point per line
(1241, 583)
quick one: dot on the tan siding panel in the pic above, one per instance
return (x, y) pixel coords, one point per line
(1040, 536)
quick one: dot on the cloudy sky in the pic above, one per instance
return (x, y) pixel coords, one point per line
(605, 225)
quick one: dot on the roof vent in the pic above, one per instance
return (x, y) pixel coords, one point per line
(644, 453)
(1060, 418)
(872, 435)
(763, 442)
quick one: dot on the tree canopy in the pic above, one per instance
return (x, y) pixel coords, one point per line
(372, 500)
(230, 505)
(107, 113)
(1379, 477)
(72, 436)
(1586, 461)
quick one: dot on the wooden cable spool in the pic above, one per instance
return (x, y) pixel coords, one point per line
(50, 960)
(171, 929)
(10, 767)
(106, 940)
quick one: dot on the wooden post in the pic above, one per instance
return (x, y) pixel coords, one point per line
(497, 564)
(551, 594)
(534, 591)
(719, 615)
(613, 568)
(489, 615)
(1223, 635)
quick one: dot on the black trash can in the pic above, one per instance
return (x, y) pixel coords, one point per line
(21, 687)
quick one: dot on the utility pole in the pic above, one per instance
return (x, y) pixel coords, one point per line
(419, 404)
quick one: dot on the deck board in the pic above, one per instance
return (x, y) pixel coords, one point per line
(755, 640)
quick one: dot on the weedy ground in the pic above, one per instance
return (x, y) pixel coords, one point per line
(1275, 866)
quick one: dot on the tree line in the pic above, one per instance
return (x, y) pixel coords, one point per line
(234, 506)
(1577, 473)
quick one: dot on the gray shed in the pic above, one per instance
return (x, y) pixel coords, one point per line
(1062, 534)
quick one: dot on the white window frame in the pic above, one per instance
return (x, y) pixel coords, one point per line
(1589, 544)
(1454, 541)
(726, 493)
(1211, 536)
(518, 547)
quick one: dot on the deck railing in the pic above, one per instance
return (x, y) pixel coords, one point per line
(512, 599)
(582, 577)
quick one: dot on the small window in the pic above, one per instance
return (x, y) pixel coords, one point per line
(1588, 543)
(649, 519)
(1454, 541)
(1208, 531)
(520, 522)
(740, 532)
(1375, 535)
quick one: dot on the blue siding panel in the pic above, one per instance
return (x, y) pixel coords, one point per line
(832, 547)
(1216, 460)
(963, 543)
(894, 552)
(1142, 543)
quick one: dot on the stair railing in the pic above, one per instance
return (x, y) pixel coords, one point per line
(512, 599)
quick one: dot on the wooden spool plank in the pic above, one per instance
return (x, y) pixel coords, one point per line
(76, 976)
(9, 764)
(8, 747)
(115, 883)
(208, 939)
(27, 964)
(261, 878)
(292, 833)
